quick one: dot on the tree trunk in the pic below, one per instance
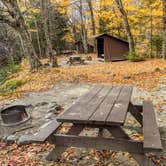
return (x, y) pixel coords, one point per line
(92, 20)
(83, 30)
(49, 51)
(30, 52)
(164, 30)
(92, 16)
(126, 24)
(38, 38)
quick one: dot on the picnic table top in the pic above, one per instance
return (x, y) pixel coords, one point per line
(102, 105)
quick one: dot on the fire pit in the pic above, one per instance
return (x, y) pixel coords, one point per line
(14, 115)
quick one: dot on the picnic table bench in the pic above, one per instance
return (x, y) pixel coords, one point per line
(106, 107)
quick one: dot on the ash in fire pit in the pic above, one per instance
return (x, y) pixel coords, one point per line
(14, 115)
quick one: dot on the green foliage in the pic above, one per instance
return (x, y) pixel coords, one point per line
(9, 87)
(132, 56)
(7, 70)
(59, 27)
(157, 42)
(13, 85)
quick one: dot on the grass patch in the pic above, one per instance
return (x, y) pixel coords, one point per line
(133, 57)
(9, 87)
(13, 85)
(7, 70)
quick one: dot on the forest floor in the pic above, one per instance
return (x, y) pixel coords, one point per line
(64, 85)
(145, 75)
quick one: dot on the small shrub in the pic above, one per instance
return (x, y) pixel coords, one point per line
(132, 56)
(157, 69)
(9, 87)
(7, 70)
(13, 85)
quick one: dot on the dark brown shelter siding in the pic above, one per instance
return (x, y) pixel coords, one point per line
(117, 49)
(107, 49)
(111, 48)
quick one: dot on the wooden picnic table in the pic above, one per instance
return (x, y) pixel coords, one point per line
(106, 107)
(75, 60)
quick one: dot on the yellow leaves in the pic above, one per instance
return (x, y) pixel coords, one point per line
(62, 10)
(32, 30)
(34, 10)
(25, 155)
(68, 38)
(63, 4)
(137, 137)
(105, 15)
(106, 2)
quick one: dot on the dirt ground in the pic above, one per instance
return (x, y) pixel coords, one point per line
(64, 94)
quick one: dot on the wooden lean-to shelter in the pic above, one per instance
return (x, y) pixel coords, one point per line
(111, 48)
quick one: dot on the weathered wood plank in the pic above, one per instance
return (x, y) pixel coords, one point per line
(82, 111)
(120, 108)
(77, 107)
(96, 101)
(105, 107)
(151, 133)
(46, 130)
(99, 143)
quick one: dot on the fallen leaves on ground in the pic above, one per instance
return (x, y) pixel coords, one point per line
(137, 137)
(159, 106)
(144, 75)
(25, 155)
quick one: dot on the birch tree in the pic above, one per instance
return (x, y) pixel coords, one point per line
(92, 20)
(83, 29)
(126, 25)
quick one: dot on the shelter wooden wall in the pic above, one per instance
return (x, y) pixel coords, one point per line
(117, 49)
(111, 48)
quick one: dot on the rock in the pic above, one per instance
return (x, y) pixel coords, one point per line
(49, 115)
(54, 107)
(157, 69)
(11, 139)
(127, 77)
(113, 74)
(26, 139)
(41, 104)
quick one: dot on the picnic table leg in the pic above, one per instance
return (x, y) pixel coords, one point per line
(141, 159)
(100, 133)
(55, 154)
